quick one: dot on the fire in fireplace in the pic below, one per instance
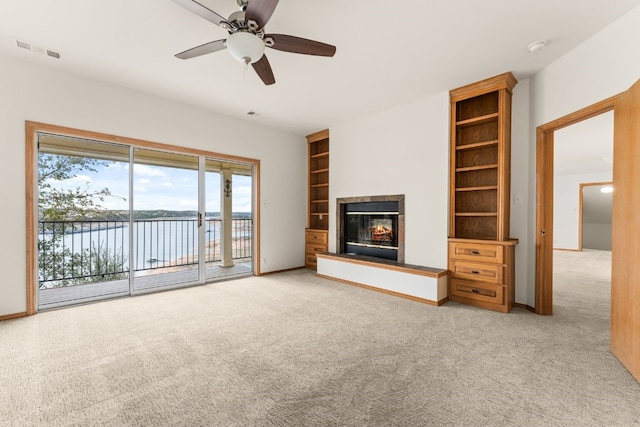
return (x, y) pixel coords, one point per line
(374, 229)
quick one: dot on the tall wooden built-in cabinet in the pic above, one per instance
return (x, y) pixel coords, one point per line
(481, 254)
(318, 231)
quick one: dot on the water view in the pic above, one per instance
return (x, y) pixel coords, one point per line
(104, 247)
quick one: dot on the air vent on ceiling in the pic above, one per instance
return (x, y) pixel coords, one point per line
(23, 45)
(37, 49)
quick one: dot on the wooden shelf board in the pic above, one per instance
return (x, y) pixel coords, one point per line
(477, 120)
(472, 214)
(323, 154)
(477, 145)
(319, 185)
(319, 213)
(477, 168)
(319, 201)
(479, 188)
(320, 170)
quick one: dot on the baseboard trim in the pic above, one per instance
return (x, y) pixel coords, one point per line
(13, 316)
(281, 271)
(525, 306)
(385, 291)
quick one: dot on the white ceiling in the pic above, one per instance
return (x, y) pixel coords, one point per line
(388, 53)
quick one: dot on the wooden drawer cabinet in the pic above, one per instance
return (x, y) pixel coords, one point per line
(311, 261)
(477, 271)
(477, 252)
(317, 237)
(316, 242)
(315, 249)
(482, 273)
(478, 291)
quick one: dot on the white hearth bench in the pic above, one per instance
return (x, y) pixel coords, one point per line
(423, 284)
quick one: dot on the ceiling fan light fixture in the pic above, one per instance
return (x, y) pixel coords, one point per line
(245, 47)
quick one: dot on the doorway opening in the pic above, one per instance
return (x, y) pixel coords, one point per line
(546, 239)
(583, 152)
(625, 288)
(596, 216)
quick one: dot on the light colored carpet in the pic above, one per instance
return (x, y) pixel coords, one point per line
(294, 350)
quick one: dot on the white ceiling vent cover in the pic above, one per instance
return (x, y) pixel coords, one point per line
(37, 49)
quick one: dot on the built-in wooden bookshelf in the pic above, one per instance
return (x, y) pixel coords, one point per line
(481, 159)
(481, 253)
(318, 210)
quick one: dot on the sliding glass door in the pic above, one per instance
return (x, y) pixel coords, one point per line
(228, 219)
(166, 229)
(117, 220)
(83, 220)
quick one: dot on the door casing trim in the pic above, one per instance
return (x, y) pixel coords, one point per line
(544, 199)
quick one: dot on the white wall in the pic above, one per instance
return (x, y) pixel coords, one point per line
(596, 236)
(404, 150)
(409, 146)
(566, 207)
(603, 66)
(37, 93)
(520, 216)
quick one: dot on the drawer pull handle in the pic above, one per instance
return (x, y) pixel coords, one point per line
(475, 252)
(475, 272)
(475, 291)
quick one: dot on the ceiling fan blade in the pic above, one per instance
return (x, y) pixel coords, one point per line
(201, 10)
(260, 11)
(263, 69)
(202, 49)
(300, 45)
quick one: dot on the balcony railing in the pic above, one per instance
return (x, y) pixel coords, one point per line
(77, 252)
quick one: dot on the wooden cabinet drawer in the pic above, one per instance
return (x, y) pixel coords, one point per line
(312, 249)
(311, 261)
(317, 237)
(477, 252)
(478, 291)
(477, 271)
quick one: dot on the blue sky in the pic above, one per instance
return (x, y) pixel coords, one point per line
(158, 187)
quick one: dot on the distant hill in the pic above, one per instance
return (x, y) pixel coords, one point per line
(122, 215)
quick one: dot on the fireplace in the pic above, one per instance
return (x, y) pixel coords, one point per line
(371, 226)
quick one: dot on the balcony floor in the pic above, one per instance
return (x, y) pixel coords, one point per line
(147, 280)
(161, 278)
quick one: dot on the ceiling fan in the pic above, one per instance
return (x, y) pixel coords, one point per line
(247, 38)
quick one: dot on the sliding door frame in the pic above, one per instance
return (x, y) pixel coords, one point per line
(31, 162)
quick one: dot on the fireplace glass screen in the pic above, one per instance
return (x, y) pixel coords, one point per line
(371, 229)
